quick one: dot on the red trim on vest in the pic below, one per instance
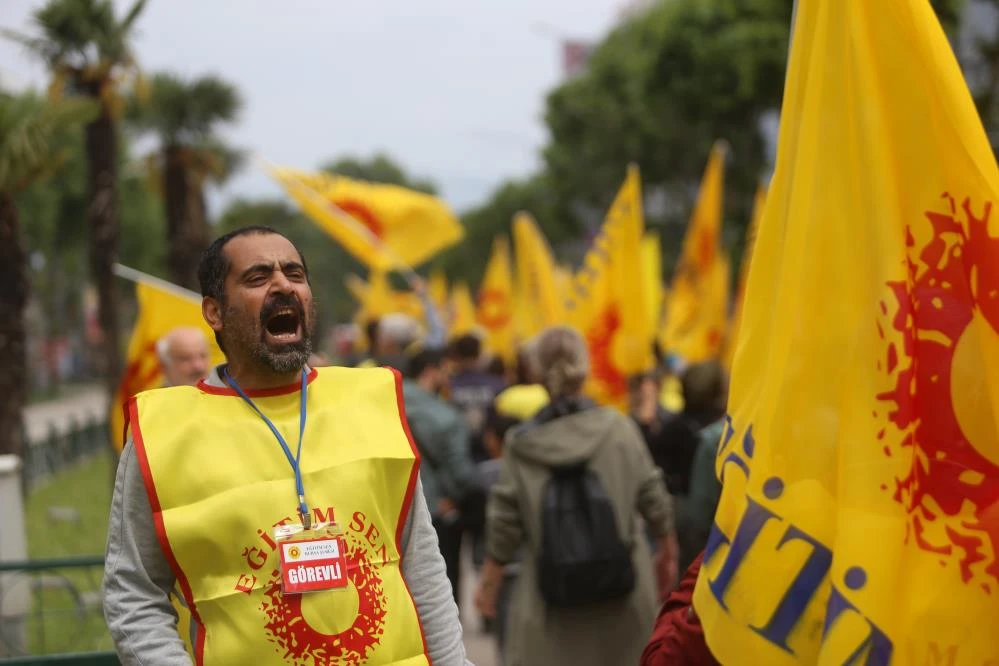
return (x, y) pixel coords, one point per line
(257, 393)
(154, 504)
(408, 501)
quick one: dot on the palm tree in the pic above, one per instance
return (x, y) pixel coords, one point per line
(88, 50)
(185, 115)
(28, 151)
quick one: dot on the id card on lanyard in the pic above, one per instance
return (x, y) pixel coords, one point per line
(313, 557)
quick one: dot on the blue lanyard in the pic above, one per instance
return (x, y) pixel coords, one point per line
(295, 460)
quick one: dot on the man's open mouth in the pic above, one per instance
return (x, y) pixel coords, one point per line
(284, 326)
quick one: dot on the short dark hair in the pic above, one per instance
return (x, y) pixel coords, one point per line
(423, 359)
(703, 386)
(466, 347)
(214, 265)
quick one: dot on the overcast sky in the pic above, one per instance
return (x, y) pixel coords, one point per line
(453, 89)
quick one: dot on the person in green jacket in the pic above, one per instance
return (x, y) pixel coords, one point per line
(698, 512)
(446, 467)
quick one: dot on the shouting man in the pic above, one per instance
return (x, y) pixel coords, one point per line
(281, 502)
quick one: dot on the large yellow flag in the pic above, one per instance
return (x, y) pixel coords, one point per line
(608, 303)
(384, 226)
(747, 256)
(697, 309)
(536, 283)
(162, 308)
(859, 517)
(495, 303)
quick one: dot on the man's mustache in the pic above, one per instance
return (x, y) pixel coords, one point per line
(281, 302)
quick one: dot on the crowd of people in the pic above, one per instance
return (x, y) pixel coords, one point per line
(490, 436)
(577, 517)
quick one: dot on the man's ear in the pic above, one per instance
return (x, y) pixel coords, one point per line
(211, 310)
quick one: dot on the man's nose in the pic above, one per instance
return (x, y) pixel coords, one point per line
(280, 283)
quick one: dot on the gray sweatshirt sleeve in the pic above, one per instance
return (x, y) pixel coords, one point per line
(137, 578)
(425, 574)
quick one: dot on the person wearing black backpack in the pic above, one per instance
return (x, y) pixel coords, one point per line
(575, 483)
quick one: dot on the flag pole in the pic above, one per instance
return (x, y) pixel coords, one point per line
(352, 222)
(137, 276)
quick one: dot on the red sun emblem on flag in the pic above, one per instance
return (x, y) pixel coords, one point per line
(362, 214)
(600, 340)
(302, 644)
(941, 336)
(494, 309)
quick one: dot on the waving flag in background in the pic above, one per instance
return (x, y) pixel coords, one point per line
(494, 309)
(384, 226)
(697, 311)
(859, 517)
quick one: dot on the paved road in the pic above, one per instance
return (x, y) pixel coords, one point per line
(82, 404)
(480, 648)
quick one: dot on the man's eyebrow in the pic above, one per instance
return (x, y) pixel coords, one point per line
(257, 268)
(291, 265)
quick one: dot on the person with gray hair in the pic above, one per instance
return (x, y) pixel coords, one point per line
(184, 356)
(572, 435)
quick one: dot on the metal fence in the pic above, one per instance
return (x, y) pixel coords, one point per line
(51, 613)
(61, 448)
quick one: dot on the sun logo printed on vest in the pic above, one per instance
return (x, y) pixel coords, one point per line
(940, 329)
(288, 619)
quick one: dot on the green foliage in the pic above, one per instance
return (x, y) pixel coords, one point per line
(379, 169)
(181, 111)
(53, 212)
(467, 261)
(659, 91)
(83, 33)
(29, 136)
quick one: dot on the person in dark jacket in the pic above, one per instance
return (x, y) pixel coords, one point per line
(704, 395)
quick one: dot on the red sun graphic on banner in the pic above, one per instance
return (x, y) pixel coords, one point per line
(600, 340)
(494, 309)
(362, 214)
(303, 645)
(941, 342)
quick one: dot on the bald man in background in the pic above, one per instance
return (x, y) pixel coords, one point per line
(184, 355)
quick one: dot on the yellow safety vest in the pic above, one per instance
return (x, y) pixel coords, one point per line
(219, 483)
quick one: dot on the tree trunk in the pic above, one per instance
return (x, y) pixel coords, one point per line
(187, 233)
(13, 299)
(102, 223)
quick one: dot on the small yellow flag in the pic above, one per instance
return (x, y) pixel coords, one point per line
(377, 298)
(384, 226)
(859, 515)
(495, 303)
(536, 283)
(697, 312)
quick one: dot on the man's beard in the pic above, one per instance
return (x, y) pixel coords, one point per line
(243, 333)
